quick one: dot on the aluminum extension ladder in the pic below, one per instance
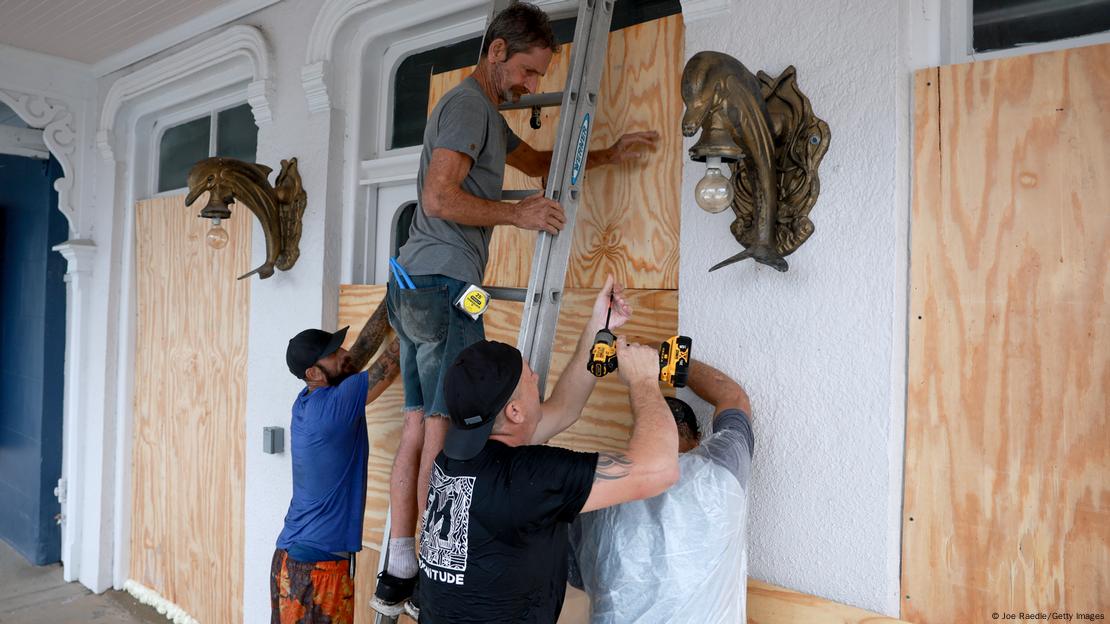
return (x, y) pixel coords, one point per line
(578, 101)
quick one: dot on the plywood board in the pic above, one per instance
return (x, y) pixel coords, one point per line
(767, 604)
(628, 219)
(771, 604)
(1007, 496)
(605, 423)
(189, 409)
(383, 416)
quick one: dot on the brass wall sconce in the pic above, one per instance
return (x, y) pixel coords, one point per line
(279, 208)
(765, 128)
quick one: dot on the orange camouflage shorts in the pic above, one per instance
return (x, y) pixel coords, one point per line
(320, 592)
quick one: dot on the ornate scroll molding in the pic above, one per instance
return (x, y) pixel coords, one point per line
(315, 75)
(313, 79)
(58, 132)
(234, 42)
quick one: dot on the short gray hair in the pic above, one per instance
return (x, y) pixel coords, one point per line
(523, 26)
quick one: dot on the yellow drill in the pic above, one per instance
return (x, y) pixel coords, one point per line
(674, 355)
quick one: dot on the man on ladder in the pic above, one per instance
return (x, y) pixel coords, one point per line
(466, 146)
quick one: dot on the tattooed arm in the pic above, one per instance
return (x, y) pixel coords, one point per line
(370, 338)
(384, 370)
(650, 465)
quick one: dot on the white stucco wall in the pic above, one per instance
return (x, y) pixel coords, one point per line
(306, 296)
(820, 349)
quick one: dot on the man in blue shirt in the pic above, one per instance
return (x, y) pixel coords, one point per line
(311, 576)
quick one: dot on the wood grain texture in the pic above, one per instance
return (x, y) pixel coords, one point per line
(767, 604)
(189, 409)
(1007, 497)
(383, 416)
(605, 422)
(771, 604)
(628, 219)
(607, 419)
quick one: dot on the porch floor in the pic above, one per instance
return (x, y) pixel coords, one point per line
(35, 594)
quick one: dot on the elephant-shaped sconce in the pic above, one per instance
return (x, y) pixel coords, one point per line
(765, 128)
(279, 208)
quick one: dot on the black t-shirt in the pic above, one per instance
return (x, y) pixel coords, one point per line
(493, 547)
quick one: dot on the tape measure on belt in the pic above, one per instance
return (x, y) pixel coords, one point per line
(473, 301)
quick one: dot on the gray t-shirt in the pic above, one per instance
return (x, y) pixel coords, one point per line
(464, 121)
(731, 445)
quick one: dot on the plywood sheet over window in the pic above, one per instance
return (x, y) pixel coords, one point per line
(1007, 499)
(189, 409)
(628, 218)
(605, 423)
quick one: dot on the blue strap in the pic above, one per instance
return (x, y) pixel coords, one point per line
(402, 276)
(397, 274)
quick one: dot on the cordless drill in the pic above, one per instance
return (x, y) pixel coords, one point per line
(603, 355)
(674, 355)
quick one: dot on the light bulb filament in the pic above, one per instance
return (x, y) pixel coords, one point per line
(217, 235)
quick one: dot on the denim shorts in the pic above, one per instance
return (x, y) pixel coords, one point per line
(432, 333)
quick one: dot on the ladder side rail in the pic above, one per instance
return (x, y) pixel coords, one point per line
(549, 266)
(561, 152)
(383, 561)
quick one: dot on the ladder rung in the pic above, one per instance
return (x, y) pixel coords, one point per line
(562, 11)
(506, 293)
(519, 194)
(552, 98)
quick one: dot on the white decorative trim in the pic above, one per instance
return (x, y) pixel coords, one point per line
(59, 135)
(79, 255)
(27, 142)
(223, 14)
(27, 70)
(259, 95)
(78, 522)
(696, 10)
(150, 597)
(216, 50)
(332, 16)
(399, 168)
(313, 79)
(315, 76)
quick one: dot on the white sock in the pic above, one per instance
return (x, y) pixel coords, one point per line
(402, 557)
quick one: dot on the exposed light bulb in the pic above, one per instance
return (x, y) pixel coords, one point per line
(714, 191)
(217, 235)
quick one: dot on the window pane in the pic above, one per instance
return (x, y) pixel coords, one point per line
(1004, 24)
(181, 147)
(236, 133)
(414, 73)
(410, 87)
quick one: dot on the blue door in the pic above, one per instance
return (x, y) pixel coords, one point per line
(32, 350)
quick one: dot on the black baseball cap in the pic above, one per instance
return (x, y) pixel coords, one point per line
(476, 387)
(309, 346)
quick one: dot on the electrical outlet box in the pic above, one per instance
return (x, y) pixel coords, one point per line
(273, 440)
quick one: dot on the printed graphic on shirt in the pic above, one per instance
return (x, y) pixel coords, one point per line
(443, 540)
